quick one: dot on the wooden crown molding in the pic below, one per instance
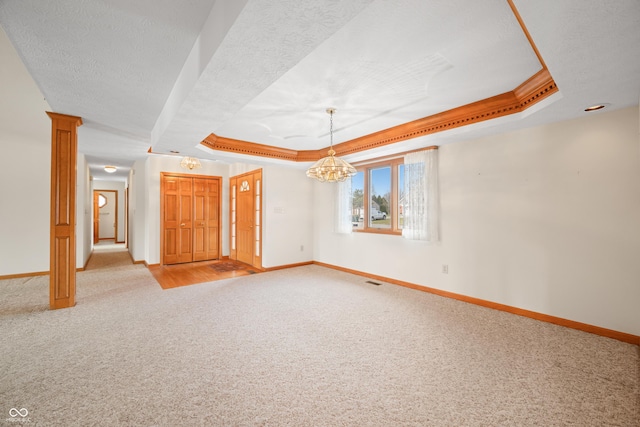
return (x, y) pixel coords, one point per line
(536, 88)
(237, 146)
(73, 120)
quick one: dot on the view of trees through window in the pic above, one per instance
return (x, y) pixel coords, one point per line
(377, 194)
(379, 197)
(357, 191)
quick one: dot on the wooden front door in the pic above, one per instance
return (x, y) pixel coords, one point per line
(246, 218)
(190, 218)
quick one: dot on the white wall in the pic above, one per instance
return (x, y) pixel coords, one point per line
(24, 203)
(288, 217)
(84, 220)
(118, 186)
(137, 210)
(25, 164)
(545, 219)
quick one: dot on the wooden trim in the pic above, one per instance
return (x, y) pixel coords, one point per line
(115, 227)
(536, 88)
(148, 265)
(189, 175)
(257, 259)
(526, 33)
(134, 261)
(255, 175)
(374, 230)
(84, 267)
(126, 216)
(391, 157)
(283, 267)
(19, 275)
(597, 330)
(365, 168)
(233, 197)
(237, 146)
(162, 190)
(62, 253)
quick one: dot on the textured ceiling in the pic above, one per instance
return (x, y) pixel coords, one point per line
(378, 77)
(167, 74)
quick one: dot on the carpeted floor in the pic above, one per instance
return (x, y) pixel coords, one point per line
(307, 346)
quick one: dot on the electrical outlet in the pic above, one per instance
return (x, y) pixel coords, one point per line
(445, 269)
(301, 248)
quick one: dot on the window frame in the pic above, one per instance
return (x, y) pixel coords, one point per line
(366, 168)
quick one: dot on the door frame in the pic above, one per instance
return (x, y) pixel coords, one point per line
(256, 176)
(97, 209)
(188, 175)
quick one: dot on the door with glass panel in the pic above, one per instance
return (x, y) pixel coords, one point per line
(246, 218)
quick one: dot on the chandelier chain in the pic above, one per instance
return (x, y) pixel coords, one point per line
(331, 126)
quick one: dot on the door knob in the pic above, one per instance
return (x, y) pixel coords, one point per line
(182, 225)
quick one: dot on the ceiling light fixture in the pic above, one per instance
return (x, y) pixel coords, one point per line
(190, 163)
(110, 169)
(596, 107)
(331, 168)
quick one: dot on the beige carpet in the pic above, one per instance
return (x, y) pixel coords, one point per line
(302, 347)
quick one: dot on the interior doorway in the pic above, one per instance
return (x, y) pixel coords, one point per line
(105, 215)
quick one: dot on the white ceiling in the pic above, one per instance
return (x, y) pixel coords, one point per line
(166, 74)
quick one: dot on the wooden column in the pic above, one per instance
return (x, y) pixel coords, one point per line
(64, 147)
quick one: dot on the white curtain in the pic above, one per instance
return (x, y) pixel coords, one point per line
(343, 207)
(421, 199)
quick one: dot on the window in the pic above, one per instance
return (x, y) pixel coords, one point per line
(394, 196)
(102, 200)
(377, 191)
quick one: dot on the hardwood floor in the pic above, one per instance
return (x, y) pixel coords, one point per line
(173, 276)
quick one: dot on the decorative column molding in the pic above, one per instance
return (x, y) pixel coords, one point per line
(64, 147)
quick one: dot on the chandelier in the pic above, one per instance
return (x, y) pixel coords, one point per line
(331, 168)
(190, 163)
